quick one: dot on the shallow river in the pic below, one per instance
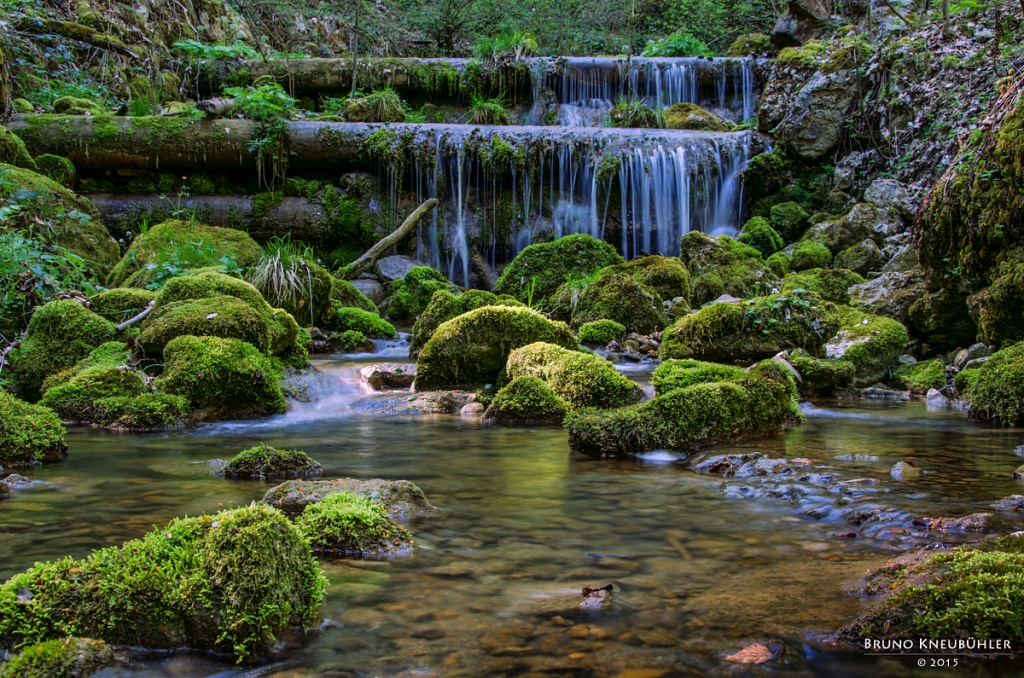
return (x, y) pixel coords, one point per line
(699, 570)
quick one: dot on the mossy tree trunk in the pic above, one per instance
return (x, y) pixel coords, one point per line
(5, 85)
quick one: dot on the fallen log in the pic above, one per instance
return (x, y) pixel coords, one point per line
(369, 258)
(76, 31)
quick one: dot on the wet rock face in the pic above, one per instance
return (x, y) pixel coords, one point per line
(389, 376)
(400, 497)
(891, 194)
(814, 123)
(371, 289)
(395, 267)
(890, 295)
(430, 402)
(802, 21)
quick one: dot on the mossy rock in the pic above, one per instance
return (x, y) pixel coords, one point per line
(229, 583)
(207, 285)
(13, 151)
(109, 355)
(920, 377)
(226, 378)
(831, 284)
(634, 114)
(821, 378)
(752, 330)
(78, 106)
(352, 341)
(971, 592)
(943, 320)
(861, 258)
(23, 106)
(445, 305)
(144, 412)
(345, 318)
(997, 393)
(601, 332)
(346, 294)
(870, 343)
(264, 461)
(526, 401)
(998, 310)
(751, 44)
(621, 298)
(121, 303)
(60, 658)
(761, 401)
(964, 381)
(692, 116)
(759, 234)
(722, 265)
(675, 374)
(580, 379)
(346, 524)
(152, 246)
(789, 220)
(539, 270)
(75, 401)
(409, 296)
(399, 497)
(765, 175)
(808, 254)
(471, 349)
(222, 316)
(80, 231)
(59, 334)
(777, 264)
(58, 168)
(665, 275)
(28, 433)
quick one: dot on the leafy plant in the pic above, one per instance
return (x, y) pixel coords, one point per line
(487, 110)
(382, 105)
(187, 256)
(633, 112)
(680, 44)
(283, 274)
(198, 50)
(270, 107)
(505, 47)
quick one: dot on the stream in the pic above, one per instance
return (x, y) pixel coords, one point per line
(699, 570)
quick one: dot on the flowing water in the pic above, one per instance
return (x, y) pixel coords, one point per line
(520, 527)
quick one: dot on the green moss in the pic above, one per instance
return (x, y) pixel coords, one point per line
(821, 378)
(208, 285)
(943, 320)
(263, 461)
(765, 175)
(23, 106)
(145, 412)
(59, 334)
(751, 44)
(346, 294)
(789, 220)
(831, 284)
(674, 374)
(526, 400)
(759, 234)
(121, 303)
(580, 379)
(601, 332)
(28, 433)
(634, 113)
(778, 264)
(471, 349)
(807, 56)
(264, 202)
(750, 330)
(78, 106)
(344, 318)
(692, 116)
(60, 658)
(13, 151)
(964, 382)
(998, 391)
(996, 310)
(227, 377)
(870, 343)
(808, 254)
(920, 377)
(621, 298)
(538, 271)
(722, 266)
(666, 275)
(221, 316)
(75, 401)
(445, 305)
(760, 401)
(174, 234)
(343, 523)
(409, 296)
(228, 582)
(351, 340)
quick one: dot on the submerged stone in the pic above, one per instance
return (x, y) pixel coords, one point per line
(400, 497)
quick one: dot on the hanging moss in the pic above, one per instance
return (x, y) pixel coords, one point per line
(580, 379)
(526, 401)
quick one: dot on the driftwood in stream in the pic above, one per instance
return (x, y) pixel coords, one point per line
(365, 262)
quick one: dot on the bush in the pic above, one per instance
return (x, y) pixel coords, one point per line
(526, 400)
(343, 319)
(228, 582)
(538, 271)
(680, 44)
(808, 254)
(998, 391)
(345, 524)
(601, 332)
(263, 461)
(580, 379)
(28, 433)
(760, 235)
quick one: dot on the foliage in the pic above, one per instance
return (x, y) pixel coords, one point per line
(197, 50)
(633, 112)
(284, 274)
(383, 105)
(505, 47)
(270, 106)
(485, 110)
(680, 44)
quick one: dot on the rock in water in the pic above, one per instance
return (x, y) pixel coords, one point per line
(399, 496)
(389, 376)
(905, 470)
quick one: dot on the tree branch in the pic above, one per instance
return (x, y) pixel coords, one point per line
(368, 259)
(134, 319)
(76, 31)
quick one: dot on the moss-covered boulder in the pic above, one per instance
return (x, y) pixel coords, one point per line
(752, 330)
(821, 378)
(870, 343)
(964, 381)
(621, 298)
(692, 116)
(942, 319)
(144, 412)
(675, 374)
(347, 524)
(445, 305)
(997, 393)
(346, 318)
(74, 222)
(539, 270)
(580, 379)
(58, 168)
(789, 220)
(861, 258)
(759, 401)
(183, 244)
(399, 497)
(966, 593)
(69, 105)
(759, 234)
(229, 582)
(59, 334)
(264, 461)
(471, 350)
(409, 296)
(222, 316)
(13, 151)
(73, 394)
(998, 310)
(809, 254)
(765, 175)
(722, 265)
(28, 433)
(665, 275)
(865, 220)
(226, 378)
(526, 401)
(831, 284)
(777, 264)
(346, 294)
(121, 303)
(601, 332)
(60, 658)
(920, 377)
(751, 44)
